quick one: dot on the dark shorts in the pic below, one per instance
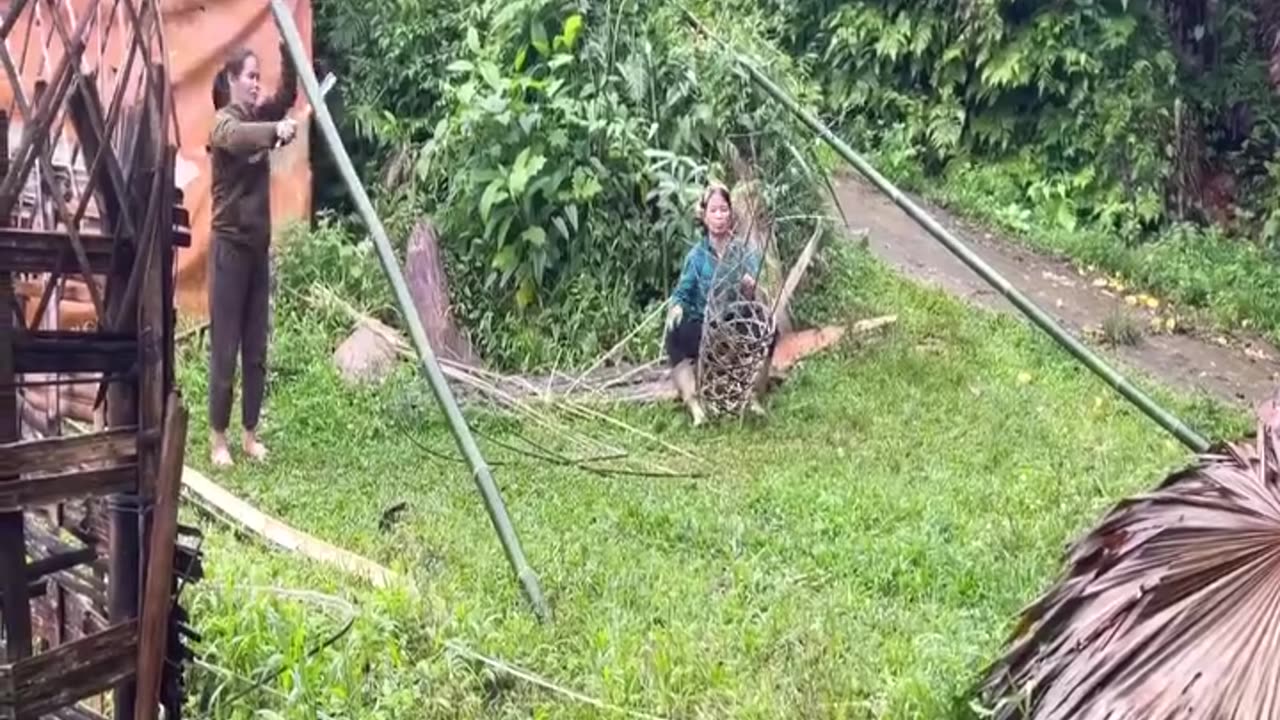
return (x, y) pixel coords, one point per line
(683, 342)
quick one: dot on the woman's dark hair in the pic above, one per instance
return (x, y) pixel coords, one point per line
(222, 81)
(712, 190)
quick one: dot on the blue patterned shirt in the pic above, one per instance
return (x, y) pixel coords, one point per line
(702, 268)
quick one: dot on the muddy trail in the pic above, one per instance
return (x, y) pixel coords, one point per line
(1239, 370)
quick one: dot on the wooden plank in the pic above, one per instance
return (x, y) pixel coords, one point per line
(78, 713)
(115, 446)
(168, 280)
(67, 674)
(18, 495)
(32, 672)
(62, 561)
(34, 590)
(25, 250)
(221, 502)
(64, 351)
(157, 598)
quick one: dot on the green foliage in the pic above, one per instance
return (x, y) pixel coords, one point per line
(1072, 90)
(331, 256)
(571, 143)
(391, 58)
(1076, 100)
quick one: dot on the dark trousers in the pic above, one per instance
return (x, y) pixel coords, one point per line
(239, 320)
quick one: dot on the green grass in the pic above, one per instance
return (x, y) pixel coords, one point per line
(860, 554)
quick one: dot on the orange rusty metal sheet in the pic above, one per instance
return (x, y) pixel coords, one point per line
(199, 35)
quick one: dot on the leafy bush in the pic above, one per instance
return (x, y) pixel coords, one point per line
(330, 257)
(567, 144)
(1096, 111)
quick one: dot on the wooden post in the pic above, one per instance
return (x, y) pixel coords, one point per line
(13, 554)
(124, 407)
(429, 288)
(153, 636)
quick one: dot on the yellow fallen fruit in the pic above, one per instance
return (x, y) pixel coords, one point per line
(1153, 303)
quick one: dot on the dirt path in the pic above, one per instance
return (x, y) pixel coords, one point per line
(1243, 371)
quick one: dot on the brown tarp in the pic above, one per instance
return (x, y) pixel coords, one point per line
(199, 34)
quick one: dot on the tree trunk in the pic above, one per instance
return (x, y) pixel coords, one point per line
(424, 272)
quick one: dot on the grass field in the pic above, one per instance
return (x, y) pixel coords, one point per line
(860, 554)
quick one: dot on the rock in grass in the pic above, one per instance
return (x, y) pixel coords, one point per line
(365, 357)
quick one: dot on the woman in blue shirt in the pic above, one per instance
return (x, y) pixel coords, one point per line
(710, 266)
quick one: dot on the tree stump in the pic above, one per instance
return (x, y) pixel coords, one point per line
(429, 288)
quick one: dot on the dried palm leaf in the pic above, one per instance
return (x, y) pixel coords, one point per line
(1169, 608)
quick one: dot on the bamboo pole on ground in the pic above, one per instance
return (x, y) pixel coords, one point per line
(390, 265)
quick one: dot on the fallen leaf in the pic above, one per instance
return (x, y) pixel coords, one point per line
(1100, 282)
(1165, 578)
(1024, 378)
(1130, 300)
(1152, 303)
(1256, 354)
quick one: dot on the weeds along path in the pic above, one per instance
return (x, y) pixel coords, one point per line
(1238, 370)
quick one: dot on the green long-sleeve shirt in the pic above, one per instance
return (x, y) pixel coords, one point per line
(239, 146)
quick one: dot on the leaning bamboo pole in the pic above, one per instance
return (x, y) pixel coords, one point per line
(1192, 439)
(390, 265)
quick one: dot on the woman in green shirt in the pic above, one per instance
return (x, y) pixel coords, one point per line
(244, 133)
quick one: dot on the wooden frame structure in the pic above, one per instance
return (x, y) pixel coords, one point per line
(91, 554)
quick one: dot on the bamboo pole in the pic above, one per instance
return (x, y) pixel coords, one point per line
(390, 265)
(1025, 305)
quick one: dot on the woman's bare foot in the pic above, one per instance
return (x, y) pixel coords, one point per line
(219, 453)
(695, 410)
(253, 448)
